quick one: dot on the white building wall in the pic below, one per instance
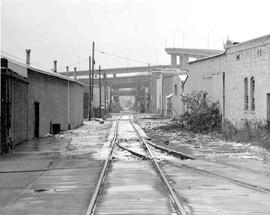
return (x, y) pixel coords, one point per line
(206, 75)
(239, 62)
(249, 65)
(159, 93)
(177, 104)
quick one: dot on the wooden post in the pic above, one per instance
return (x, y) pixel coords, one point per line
(90, 92)
(105, 87)
(99, 73)
(92, 78)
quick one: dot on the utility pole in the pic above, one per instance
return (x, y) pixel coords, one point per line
(75, 73)
(68, 105)
(90, 92)
(67, 70)
(92, 78)
(148, 96)
(99, 73)
(105, 87)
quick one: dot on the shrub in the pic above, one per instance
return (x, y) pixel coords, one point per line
(202, 114)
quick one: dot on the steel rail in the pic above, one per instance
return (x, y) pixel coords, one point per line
(133, 152)
(177, 203)
(92, 204)
(171, 151)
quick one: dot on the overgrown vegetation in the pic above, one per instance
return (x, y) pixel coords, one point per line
(250, 131)
(202, 115)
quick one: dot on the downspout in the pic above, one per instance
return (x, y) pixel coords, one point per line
(162, 111)
(27, 123)
(68, 107)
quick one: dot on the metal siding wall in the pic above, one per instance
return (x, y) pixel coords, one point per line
(52, 93)
(19, 111)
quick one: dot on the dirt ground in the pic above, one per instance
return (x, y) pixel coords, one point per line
(207, 147)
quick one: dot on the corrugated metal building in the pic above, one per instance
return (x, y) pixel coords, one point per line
(35, 102)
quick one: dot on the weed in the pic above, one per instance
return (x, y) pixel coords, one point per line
(202, 114)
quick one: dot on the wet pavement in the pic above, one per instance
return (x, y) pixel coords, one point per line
(54, 175)
(58, 174)
(207, 194)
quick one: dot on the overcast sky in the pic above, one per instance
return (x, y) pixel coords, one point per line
(137, 29)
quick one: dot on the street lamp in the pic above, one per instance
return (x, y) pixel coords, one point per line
(183, 77)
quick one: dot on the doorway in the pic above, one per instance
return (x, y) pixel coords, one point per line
(36, 125)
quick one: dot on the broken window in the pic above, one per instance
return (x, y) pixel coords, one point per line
(252, 93)
(246, 94)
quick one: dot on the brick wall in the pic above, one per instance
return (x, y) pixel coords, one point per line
(240, 61)
(244, 61)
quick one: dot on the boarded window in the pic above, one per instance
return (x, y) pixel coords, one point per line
(252, 93)
(245, 94)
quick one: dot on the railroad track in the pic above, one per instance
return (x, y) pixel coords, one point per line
(95, 206)
(183, 156)
(206, 172)
(149, 154)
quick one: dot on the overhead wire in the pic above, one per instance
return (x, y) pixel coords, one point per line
(82, 61)
(121, 57)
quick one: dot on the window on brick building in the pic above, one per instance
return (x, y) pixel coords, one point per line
(246, 94)
(252, 93)
(175, 89)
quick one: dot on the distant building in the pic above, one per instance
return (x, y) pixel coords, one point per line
(168, 87)
(239, 79)
(35, 102)
(120, 83)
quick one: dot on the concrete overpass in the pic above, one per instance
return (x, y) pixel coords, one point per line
(181, 56)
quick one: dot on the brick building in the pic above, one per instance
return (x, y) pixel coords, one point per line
(35, 102)
(239, 79)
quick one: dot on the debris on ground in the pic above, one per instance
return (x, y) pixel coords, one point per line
(209, 146)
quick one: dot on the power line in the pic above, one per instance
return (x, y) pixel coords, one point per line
(121, 57)
(76, 63)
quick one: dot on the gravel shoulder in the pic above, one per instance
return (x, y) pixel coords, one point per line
(207, 147)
